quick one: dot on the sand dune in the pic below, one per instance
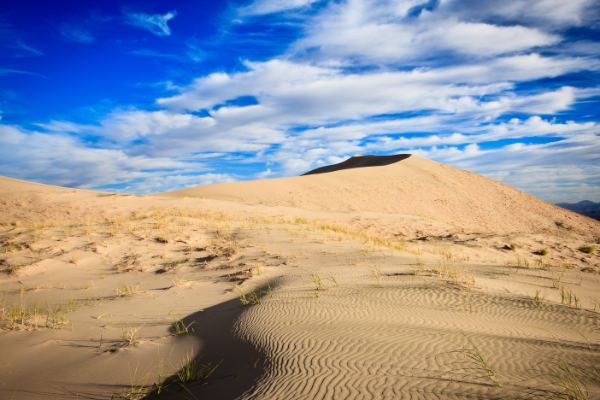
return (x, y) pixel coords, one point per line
(409, 186)
(378, 278)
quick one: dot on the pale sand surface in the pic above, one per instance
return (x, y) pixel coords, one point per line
(373, 274)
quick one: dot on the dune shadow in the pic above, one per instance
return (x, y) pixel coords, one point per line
(360, 162)
(239, 363)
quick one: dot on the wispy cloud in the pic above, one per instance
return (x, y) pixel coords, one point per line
(155, 23)
(76, 34)
(194, 51)
(153, 53)
(28, 49)
(261, 7)
(16, 71)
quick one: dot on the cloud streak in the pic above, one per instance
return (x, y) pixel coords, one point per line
(155, 23)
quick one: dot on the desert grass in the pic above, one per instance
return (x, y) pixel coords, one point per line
(127, 290)
(189, 371)
(556, 280)
(241, 295)
(21, 317)
(565, 380)
(376, 273)
(569, 297)
(317, 280)
(477, 365)
(536, 298)
(131, 336)
(137, 390)
(450, 272)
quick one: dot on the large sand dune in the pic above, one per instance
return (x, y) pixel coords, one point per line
(409, 186)
(378, 278)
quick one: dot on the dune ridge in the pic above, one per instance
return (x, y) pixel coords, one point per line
(359, 161)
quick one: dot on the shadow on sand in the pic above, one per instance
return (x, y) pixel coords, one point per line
(241, 364)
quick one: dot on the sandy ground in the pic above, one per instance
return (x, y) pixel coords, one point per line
(114, 296)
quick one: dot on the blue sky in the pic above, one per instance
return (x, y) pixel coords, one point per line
(145, 97)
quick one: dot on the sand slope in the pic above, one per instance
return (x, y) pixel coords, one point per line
(413, 186)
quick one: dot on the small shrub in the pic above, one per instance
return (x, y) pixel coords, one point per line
(587, 249)
(543, 252)
(513, 246)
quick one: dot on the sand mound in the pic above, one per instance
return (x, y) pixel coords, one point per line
(415, 186)
(359, 161)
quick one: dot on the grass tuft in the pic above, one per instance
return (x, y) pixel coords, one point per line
(565, 380)
(536, 299)
(180, 328)
(481, 368)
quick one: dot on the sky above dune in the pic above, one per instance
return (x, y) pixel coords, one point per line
(147, 96)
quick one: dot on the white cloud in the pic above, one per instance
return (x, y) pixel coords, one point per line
(62, 160)
(167, 182)
(155, 23)
(547, 13)
(260, 7)
(361, 31)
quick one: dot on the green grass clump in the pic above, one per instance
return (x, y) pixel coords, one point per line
(180, 328)
(513, 246)
(191, 372)
(587, 249)
(543, 252)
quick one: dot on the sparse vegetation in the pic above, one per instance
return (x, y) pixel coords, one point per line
(587, 249)
(180, 328)
(480, 367)
(131, 336)
(127, 290)
(536, 298)
(377, 274)
(224, 236)
(318, 282)
(189, 371)
(241, 295)
(565, 380)
(569, 297)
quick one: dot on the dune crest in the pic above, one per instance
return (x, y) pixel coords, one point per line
(359, 161)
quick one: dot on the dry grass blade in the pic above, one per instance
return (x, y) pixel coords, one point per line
(565, 380)
(481, 368)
